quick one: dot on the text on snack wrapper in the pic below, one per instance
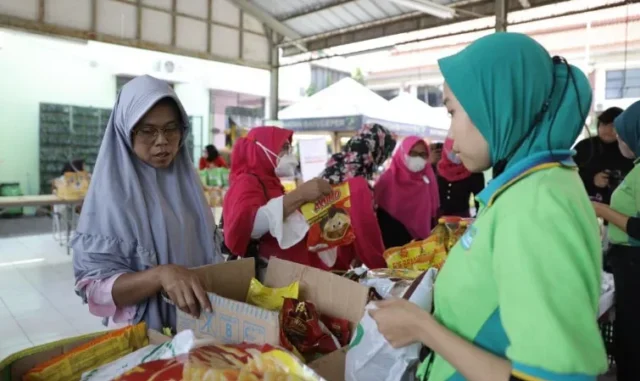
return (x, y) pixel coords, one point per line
(328, 200)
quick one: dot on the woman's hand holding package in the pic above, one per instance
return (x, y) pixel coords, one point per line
(310, 191)
(185, 289)
(314, 189)
(400, 321)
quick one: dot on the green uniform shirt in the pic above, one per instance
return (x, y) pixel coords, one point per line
(626, 200)
(524, 280)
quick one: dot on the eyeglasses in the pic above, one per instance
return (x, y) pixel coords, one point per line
(286, 149)
(149, 135)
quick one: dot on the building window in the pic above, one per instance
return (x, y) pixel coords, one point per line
(622, 84)
(388, 94)
(431, 95)
(322, 77)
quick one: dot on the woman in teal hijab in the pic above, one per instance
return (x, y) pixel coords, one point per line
(624, 255)
(518, 296)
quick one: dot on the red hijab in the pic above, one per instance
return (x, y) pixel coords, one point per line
(245, 196)
(412, 198)
(449, 167)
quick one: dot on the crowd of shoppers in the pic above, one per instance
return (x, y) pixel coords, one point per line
(532, 258)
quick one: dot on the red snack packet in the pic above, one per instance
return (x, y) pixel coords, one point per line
(338, 327)
(301, 331)
(330, 220)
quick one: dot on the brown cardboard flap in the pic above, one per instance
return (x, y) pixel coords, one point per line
(332, 295)
(233, 322)
(229, 279)
(331, 367)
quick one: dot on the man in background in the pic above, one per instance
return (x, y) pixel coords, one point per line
(602, 166)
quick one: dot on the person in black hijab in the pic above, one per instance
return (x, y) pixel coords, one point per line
(601, 164)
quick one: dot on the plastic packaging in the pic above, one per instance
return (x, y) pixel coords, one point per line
(372, 358)
(102, 350)
(241, 362)
(303, 332)
(330, 220)
(270, 298)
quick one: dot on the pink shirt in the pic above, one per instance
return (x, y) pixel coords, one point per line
(100, 300)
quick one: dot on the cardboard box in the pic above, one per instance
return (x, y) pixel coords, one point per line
(15, 366)
(234, 321)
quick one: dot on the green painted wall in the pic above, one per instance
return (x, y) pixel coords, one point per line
(34, 71)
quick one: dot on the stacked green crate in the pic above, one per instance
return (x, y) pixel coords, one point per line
(68, 133)
(9, 190)
(55, 142)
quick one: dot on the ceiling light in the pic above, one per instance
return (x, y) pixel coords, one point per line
(428, 7)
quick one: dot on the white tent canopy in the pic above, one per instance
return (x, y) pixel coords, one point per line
(345, 106)
(419, 113)
(343, 98)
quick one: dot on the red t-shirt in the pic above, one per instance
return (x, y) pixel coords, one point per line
(218, 162)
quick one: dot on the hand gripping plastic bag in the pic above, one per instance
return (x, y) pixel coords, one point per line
(372, 358)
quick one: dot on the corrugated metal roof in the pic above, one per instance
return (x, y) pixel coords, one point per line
(322, 24)
(314, 17)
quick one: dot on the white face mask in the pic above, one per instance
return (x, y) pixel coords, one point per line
(415, 164)
(285, 166)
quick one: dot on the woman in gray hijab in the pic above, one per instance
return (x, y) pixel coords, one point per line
(145, 220)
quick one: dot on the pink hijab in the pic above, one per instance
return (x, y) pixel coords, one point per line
(412, 198)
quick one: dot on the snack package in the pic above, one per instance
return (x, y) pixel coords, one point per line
(72, 185)
(303, 333)
(394, 274)
(214, 177)
(329, 220)
(386, 287)
(371, 357)
(181, 343)
(456, 227)
(102, 350)
(224, 174)
(340, 328)
(240, 362)
(356, 274)
(409, 256)
(203, 177)
(270, 298)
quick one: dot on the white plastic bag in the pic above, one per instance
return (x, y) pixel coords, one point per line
(372, 358)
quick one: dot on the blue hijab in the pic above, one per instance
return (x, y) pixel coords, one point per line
(503, 80)
(136, 217)
(627, 126)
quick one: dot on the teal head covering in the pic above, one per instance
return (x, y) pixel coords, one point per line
(503, 82)
(627, 126)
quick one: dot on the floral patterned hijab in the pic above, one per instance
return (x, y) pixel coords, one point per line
(364, 152)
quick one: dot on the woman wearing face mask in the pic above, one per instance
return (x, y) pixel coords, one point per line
(624, 255)
(257, 214)
(456, 183)
(145, 221)
(407, 195)
(518, 296)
